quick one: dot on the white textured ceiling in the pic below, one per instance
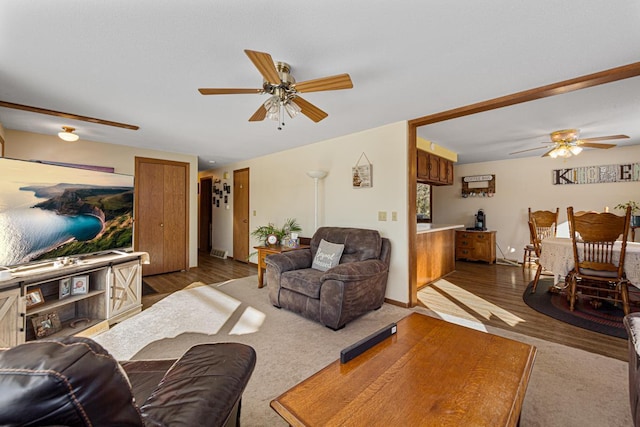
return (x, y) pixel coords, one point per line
(141, 62)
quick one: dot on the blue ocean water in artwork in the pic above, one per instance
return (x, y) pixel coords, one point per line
(27, 233)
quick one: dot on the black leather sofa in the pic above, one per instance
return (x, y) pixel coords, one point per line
(73, 381)
(340, 294)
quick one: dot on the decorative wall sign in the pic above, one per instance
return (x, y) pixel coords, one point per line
(477, 178)
(629, 172)
(478, 185)
(362, 173)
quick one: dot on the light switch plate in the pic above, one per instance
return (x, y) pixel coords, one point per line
(382, 215)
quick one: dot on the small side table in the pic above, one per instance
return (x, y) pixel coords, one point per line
(263, 251)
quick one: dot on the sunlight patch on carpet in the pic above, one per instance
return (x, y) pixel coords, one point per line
(447, 296)
(199, 309)
(249, 322)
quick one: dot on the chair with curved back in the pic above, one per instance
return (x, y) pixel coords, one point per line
(536, 247)
(599, 256)
(545, 223)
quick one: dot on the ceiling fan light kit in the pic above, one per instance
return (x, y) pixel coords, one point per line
(565, 150)
(283, 90)
(67, 134)
(567, 143)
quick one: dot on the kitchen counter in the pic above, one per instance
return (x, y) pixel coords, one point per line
(424, 227)
(435, 251)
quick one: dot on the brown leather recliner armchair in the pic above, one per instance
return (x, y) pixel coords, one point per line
(74, 381)
(334, 297)
(632, 325)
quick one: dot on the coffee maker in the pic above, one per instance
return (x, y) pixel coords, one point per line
(481, 221)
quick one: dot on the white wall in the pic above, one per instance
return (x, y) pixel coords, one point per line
(280, 189)
(33, 146)
(523, 183)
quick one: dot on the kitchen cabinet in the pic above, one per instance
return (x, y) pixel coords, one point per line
(432, 169)
(474, 245)
(445, 171)
(423, 165)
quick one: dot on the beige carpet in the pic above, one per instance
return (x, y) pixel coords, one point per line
(568, 387)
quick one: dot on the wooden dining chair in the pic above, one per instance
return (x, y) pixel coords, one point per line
(597, 271)
(546, 224)
(536, 245)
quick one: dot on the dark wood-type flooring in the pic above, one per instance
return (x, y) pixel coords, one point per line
(491, 294)
(209, 270)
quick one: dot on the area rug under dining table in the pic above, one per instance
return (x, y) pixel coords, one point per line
(606, 319)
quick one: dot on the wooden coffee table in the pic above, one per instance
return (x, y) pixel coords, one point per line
(430, 373)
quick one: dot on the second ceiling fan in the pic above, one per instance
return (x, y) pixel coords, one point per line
(567, 142)
(284, 90)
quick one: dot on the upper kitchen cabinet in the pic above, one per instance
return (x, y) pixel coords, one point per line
(435, 170)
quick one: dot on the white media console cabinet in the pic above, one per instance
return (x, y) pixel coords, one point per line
(53, 299)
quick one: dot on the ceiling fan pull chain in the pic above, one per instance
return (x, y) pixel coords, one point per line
(280, 117)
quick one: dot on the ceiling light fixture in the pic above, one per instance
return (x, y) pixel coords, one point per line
(567, 143)
(278, 102)
(67, 134)
(565, 150)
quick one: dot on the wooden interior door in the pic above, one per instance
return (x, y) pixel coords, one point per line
(175, 217)
(161, 214)
(149, 215)
(241, 215)
(205, 217)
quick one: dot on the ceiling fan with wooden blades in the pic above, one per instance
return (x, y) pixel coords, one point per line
(284, 90)
(567, 143)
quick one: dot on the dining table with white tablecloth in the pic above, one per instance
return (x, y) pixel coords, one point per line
(557, 257)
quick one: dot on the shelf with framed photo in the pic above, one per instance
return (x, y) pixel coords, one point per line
(64, 300)
(81, 298)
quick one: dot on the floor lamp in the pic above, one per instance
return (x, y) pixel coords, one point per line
(316, 175)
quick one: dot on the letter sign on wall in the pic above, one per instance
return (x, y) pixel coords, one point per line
(597, 174)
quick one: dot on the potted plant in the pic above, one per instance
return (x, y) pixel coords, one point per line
(263, 232)
(635, 210)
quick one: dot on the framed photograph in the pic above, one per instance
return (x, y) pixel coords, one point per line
(46, 324)
(34, 298)
(79, 285)
(65, 288)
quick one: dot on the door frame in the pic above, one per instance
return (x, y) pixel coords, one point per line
(582, 82)
(205, 208)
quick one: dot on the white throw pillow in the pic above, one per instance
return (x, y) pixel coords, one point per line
(328, 255)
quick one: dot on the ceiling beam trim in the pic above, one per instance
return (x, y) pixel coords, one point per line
(66, 115)
(595, 79)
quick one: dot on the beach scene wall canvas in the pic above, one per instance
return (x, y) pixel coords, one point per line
(49, 211)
